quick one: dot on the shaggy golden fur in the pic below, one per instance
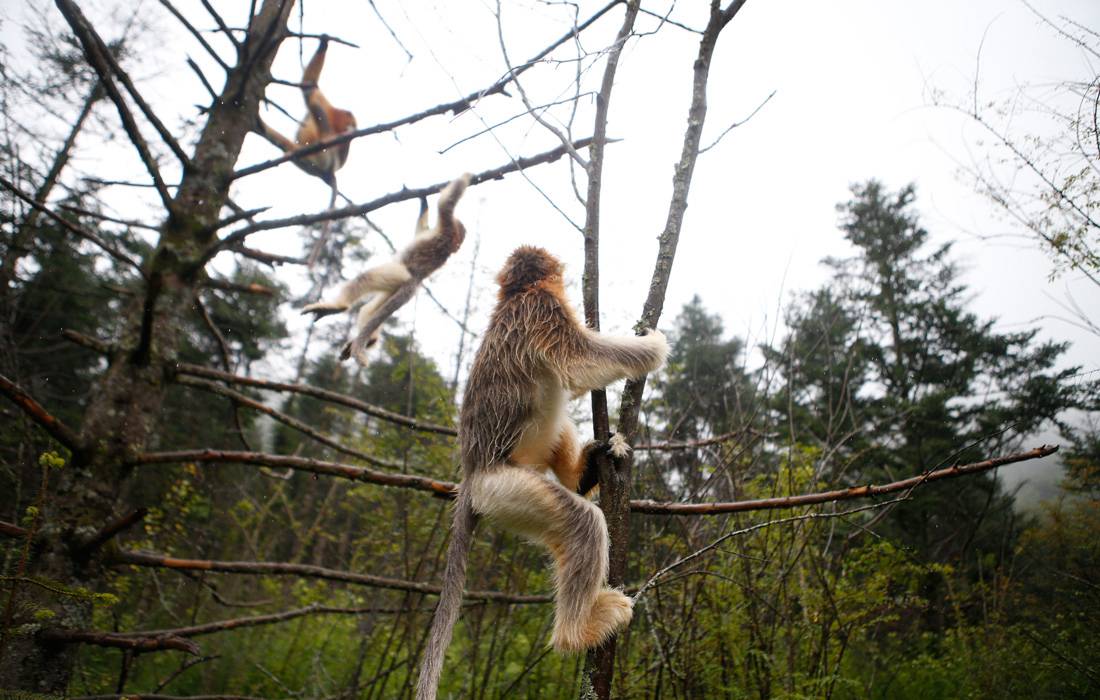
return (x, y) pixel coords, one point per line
(514, 428)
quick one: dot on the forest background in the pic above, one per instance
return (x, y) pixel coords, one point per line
(198, 499)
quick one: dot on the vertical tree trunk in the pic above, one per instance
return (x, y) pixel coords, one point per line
(125, 405)
(615, 483)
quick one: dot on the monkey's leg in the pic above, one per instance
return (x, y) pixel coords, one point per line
(567, 459)
(573, 529)
(367, 311)
(367, 329)
(383, 278)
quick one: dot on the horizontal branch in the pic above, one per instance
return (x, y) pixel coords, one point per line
(250, 288)
(446, 489)
(12, 530)
(58, 430)
(322, 394)
(403, 195)
(657, 508)
(156, 696)
(265, 257)
(112, 529)
(242, 400)
(137, 644)
(693, 444)
(455, 107)
(269, 568)
(315, 466)
(273, 618)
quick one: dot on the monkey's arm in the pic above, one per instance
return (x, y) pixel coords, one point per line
(273, 136)
(604, 359)
(319, 107)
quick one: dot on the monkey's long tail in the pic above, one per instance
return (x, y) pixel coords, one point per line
(450, 598)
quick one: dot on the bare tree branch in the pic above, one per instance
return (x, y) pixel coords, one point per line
(112, 529)
(227, 286)
(85, 34)
(654, 507)
(12, 530)
(264, 568)
(241, 400)
(195, 33)
(404, 194)
(110, 639)
(695, 444)
(752, 528)
(322, 394)
(257, 620)
(71, 227)
(315, 466)
(36, 412)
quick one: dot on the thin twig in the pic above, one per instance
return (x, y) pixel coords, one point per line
(73, 228)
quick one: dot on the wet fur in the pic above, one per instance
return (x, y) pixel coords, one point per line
(514, 428)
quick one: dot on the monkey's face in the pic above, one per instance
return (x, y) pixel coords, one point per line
(525, 268)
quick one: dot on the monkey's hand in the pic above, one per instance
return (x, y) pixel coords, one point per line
(616, 447)
(321, 309)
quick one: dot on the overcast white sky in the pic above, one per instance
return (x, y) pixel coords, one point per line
(852, 82)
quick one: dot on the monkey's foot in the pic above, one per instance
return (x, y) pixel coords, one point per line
(358, 350)
(611, 612)
(321, 309)
(618, 446)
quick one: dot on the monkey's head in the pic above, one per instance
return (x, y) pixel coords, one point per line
(526, 267)
(343, 121)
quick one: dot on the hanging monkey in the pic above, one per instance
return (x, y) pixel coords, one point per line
(321, 123)
(391, 284)
(514, 427)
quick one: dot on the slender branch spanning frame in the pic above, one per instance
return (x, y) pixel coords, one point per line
(446, 489)
(402, 195)
(273, 618)
(265, 568)
(443, 489)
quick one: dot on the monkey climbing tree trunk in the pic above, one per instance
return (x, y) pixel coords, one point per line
(615, 479)
(124, 408)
